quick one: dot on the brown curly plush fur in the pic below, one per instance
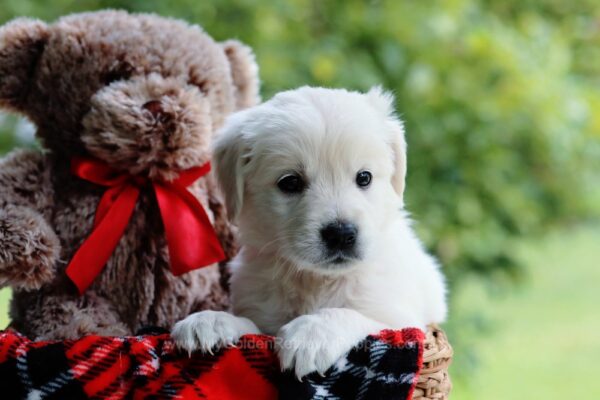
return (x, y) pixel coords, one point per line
(144, 94)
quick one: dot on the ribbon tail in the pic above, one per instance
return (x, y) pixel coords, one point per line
(106, 202)
(91, 257)
(191, 239)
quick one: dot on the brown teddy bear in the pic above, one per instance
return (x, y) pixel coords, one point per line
(126, 107)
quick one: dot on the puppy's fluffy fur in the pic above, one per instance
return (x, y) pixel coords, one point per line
(286, 280)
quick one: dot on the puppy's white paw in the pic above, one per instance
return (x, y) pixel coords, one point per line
(208, 330)
(308, 344)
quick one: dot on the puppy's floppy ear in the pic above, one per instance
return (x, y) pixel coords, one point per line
(22, 42)
(383, 102)
(229, 158)
(244, 73)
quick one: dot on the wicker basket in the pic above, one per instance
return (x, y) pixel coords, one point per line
(434, 381)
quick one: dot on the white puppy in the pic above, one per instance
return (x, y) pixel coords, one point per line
(315, 179)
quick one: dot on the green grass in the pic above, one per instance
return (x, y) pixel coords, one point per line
(4, 299)
(542, 338)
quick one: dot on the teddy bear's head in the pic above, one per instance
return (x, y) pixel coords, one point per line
(143, 93)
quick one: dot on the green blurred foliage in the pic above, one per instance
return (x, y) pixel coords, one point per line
(500, 99)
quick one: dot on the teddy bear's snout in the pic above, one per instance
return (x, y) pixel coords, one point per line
(159, 116)
(154, 107)
(151, 126)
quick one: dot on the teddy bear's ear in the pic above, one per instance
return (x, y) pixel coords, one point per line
(22, 41)
(244, 72)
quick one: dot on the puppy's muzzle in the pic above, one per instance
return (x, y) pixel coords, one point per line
(339, 237)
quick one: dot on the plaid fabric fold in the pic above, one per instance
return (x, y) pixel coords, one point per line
(385, 366)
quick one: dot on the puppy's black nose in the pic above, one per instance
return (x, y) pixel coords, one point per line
(339, 235)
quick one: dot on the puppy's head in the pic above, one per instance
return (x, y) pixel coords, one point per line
(314, 176)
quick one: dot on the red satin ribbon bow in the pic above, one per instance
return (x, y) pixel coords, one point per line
(191, 239)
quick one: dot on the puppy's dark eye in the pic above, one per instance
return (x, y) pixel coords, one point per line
(363, 178)
(290, 184)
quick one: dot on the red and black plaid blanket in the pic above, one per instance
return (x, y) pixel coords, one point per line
(385, 366)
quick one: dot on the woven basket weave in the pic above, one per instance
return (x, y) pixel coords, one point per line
(434, 381)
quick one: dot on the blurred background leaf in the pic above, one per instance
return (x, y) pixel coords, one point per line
(501, 101)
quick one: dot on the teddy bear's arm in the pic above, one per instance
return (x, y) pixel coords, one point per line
(29, 247)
